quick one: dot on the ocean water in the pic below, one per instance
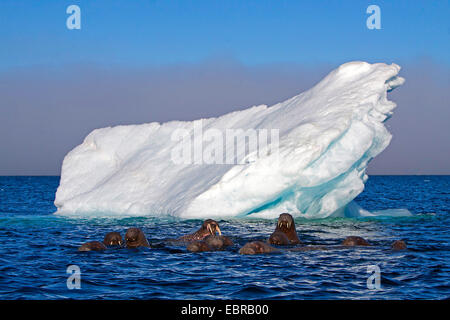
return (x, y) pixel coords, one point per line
(38, 246)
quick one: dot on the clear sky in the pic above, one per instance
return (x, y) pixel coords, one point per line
(252, 31)
(131, 62)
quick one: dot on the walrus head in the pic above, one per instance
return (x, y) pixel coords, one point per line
(285, 222)
(257, 247)
(209, 227)
(286, 225)
(399, 245)
(135, 238)
(279, 238)
(113, 239)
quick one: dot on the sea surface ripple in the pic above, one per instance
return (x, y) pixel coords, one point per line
(38, 246)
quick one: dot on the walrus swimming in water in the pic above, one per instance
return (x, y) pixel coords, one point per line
(278, 238)
(113, 239)
(257, 247)
(398, 245)
(198, 246)
(92, 246)
(210, 243)
(285, 225)
(354, 241)
(218, 242)
(209, 227)
(135, 238)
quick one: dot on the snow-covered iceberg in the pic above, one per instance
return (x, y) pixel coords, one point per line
(326, 138)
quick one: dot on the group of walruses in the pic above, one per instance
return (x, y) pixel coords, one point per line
(206, 239)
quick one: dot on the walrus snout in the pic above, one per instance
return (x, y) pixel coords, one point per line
(113, 239)
(212, 227)
(285, 221)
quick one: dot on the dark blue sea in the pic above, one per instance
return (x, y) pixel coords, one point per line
(37, 247)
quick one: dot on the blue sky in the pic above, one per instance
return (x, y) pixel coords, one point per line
(137, 33)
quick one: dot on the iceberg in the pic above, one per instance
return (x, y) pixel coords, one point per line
(314, 167)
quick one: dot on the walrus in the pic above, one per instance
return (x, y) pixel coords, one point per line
(218, 242)
(285, 225)
(210, 243)
(398, 245)
(198, 246)
(135, 238)
(92, 246)
(279, 238)
(354, 241)
(113, 239)
(257, 247)
(209, 227)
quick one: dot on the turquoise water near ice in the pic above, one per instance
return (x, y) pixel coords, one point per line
(38, 246)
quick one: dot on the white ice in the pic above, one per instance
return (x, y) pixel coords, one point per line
(327, 136)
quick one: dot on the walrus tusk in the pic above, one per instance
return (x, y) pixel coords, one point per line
(218, 229)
